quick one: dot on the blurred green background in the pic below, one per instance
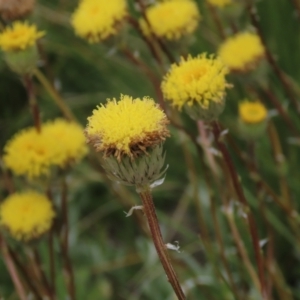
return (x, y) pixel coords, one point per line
(112, 256)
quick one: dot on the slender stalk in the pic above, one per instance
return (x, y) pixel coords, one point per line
(153, 49)
(12, 270)
(41, 273)
(280, 74)
(217, 21)
(54, 94)
(296, 4)
(220, 242)
(268, 92)
(206, 144)
(69, 275)
(241, 197)
(25, 274)
(51, 250)
(35, 111)
(241, 248)
(150, 75)
(153, 35)
(149, 210)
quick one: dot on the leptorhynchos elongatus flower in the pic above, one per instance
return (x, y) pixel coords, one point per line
(171, 19)
(198, 84)
(129, 133)
(26, 215)
(97, 20)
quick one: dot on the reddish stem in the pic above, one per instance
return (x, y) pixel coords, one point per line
(149, 210)
(241, 197)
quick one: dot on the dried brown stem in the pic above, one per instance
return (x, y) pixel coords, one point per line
(149, 210)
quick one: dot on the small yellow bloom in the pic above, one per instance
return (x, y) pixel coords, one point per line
(252, 112)
(69, 138)
(19, 36)
(26, 215)
(172, 19)
(220, 3)
(126, 127)
(242, 52)
(33, 154)
(198, 80)
(96, 20)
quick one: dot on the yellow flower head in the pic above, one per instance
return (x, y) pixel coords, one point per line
(242, 51)
(71, 146)
(19, 36)
(96, 20)
(172, 19)
(198, 80)
(220, 3)
(252, 112)
(126, 127)
(32, 154)
(26, 215)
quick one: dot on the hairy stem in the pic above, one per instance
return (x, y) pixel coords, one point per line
(149, 210)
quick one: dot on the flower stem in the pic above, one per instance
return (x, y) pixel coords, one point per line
(69, 275)
(12, 270)
(51, 249)
(280, 74)
(25, 274)
(149, 210)
(296, 4)
(35, 111)
(55, 96)
(241, 197)
(217, 21)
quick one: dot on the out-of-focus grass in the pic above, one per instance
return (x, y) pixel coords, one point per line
(112, 257)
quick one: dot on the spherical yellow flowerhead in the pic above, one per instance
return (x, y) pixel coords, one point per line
(172, 19)
(34, 154)
(252, 112)
(220, 3)
(19, 36)
(242, 52)
(200, 80)
(69, 138)
(96, 20)
(126, 127)
(26, 215)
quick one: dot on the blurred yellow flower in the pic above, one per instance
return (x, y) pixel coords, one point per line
(198, 80)
(70, 139)
(19, 36)
(32, 154)
(252, 112)
(126, 127)
(96, 20)
(242, 52)
(220, 3)
(172, 19)
(26, 215)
